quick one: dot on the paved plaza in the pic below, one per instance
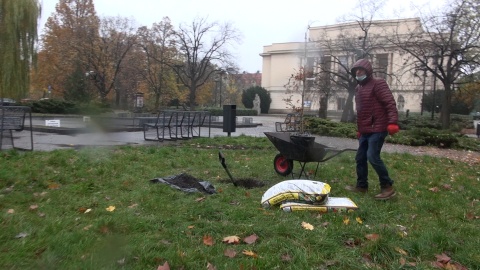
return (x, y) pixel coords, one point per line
(48, 141)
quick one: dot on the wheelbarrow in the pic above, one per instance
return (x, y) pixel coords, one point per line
(299, 148)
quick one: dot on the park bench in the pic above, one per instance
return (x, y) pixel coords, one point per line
(12, 118)
(290, 124)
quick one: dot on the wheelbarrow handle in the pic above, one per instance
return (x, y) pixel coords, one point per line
(337, 152)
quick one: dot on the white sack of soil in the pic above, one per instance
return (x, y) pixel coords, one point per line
(333, 204)
(297, 190)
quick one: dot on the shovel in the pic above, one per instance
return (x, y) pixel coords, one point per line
(243, 182)
(221, 158)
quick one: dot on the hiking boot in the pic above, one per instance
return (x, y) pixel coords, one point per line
(386, 193)
(356, 189)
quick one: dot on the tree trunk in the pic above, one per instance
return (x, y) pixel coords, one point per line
(348, 114)
(192, 97)
(446, 107)
(322, 111)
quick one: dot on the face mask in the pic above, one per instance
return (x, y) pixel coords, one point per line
(361, 78)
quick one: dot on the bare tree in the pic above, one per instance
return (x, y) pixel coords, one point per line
(338, 53)
(202, 47)
(104, 55)
(158, 47)
(447, 47)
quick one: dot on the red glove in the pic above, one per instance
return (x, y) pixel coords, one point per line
(358, 135)
(392, 129)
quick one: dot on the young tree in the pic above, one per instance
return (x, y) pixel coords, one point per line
(202, 46)
(448, 47)
(18, 35)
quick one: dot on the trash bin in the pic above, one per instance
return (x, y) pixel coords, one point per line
(229, 118)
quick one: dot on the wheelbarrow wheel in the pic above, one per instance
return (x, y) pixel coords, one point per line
(282, 165)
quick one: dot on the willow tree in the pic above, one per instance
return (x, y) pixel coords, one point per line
(18, 36)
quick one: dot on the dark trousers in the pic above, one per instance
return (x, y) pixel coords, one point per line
(369, 148)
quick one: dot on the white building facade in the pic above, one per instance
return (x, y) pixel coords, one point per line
(329, 44)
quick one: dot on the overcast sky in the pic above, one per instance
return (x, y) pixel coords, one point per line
(261, 22)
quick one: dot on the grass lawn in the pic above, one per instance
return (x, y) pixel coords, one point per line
(95, 208)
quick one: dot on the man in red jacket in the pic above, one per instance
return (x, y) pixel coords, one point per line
(377, 116)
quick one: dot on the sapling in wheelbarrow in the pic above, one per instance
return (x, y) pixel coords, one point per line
(243, 182)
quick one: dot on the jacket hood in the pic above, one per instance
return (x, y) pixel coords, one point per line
(362, 63)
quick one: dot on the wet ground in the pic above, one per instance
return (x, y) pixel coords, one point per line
(69, 137)
(75, 134)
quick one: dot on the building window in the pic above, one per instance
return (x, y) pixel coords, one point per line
(341, 103)
(400, 103)
(343, 64)
(381, 68)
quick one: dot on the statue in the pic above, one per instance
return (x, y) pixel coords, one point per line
(256, 104)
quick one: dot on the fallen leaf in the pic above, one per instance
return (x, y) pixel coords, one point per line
(401, 251)
(434, 189)
(82, 209)
(121, 261)
(447, 186)
(53, 186)
(33, 207)
(325, 224)
(191, 226)
(233, 239)
(402, 261)
(367, 257)
(86, 228)
(201, 199)
(351, 243)
(307, 226)
(40, 214)
(251, 239)
(458, 266)
(21, 235)
(10, 211)
(230, 253)
(346, 220)
(88, 211)
(165, 266)
(208, 240)
(250, 253)
(211, 267)
(111, 208)
(133, 205)
(442, 258)
(359, 220)
(286, 257)
(372, 236)
(247, 194)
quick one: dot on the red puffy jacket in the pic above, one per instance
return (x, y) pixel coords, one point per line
(376, 107)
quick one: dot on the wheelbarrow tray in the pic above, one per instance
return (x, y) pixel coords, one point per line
(303, 151)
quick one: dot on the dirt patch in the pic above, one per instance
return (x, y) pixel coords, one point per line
(186, 182)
